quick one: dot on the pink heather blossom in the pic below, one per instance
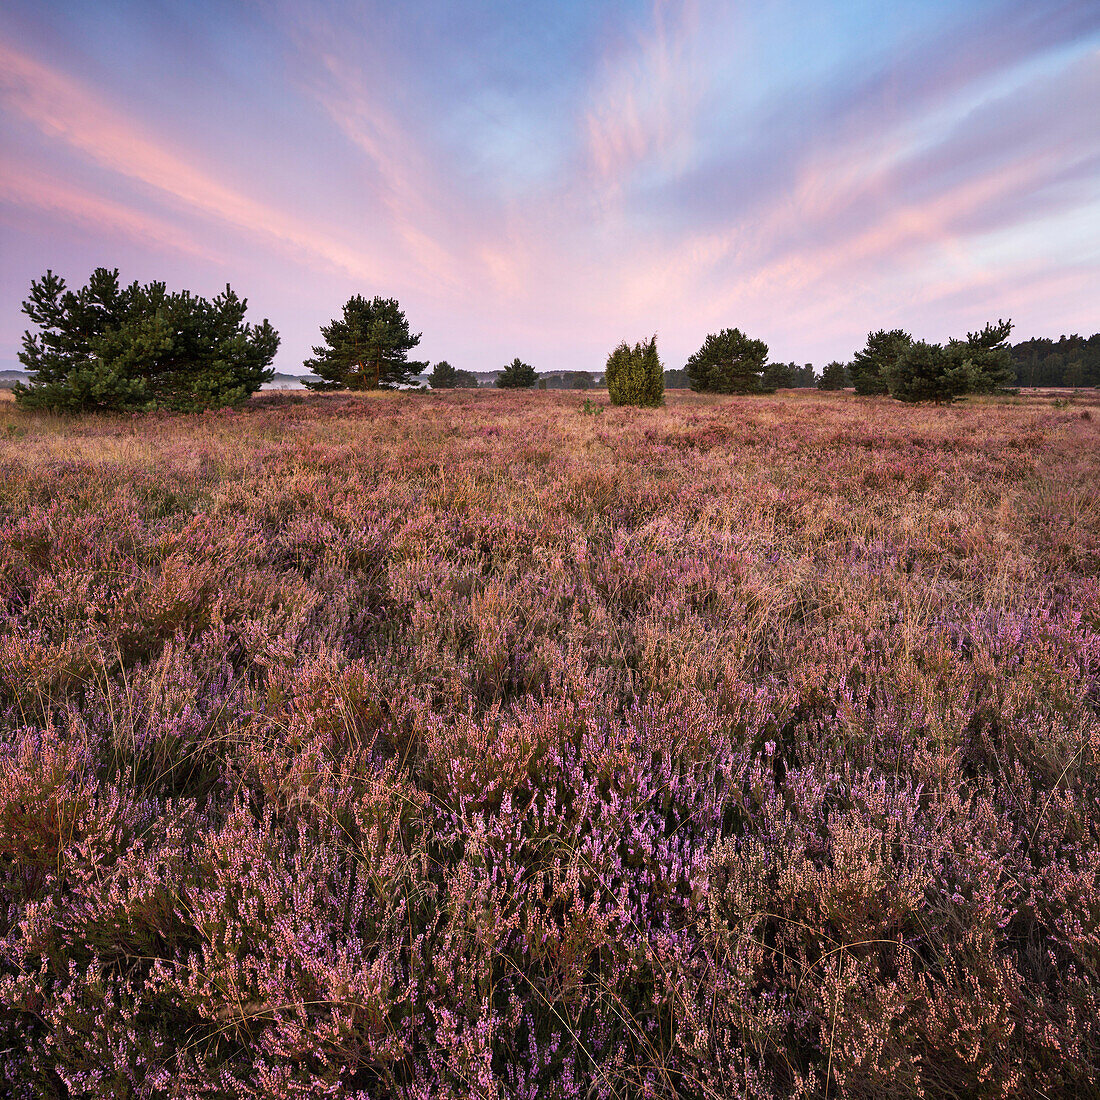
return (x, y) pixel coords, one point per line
(469, 746)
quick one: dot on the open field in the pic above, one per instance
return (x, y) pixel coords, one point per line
(474, 745)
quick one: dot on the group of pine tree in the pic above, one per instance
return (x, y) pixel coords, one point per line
(118, 348)
(109, 347)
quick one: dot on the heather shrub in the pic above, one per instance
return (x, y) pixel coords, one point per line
(359, 747)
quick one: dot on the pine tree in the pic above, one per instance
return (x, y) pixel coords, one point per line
(928, 372)
(366, 349)
(443, 376)
(833, 377)
(634, 375)
(728, 362)
(778, 376)
(140, 347)
(868, 366)
(991, 366)
(517, 376)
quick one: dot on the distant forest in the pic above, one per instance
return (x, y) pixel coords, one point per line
(1068, 361)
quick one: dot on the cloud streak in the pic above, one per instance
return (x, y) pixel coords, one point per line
(32, 190)
(64, 110)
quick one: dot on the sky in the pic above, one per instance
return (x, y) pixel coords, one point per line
(546, 179)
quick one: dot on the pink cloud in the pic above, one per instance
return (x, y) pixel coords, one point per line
(825, 250)
(37, 190)
(643, 102)
(63, 109)
(407, 188)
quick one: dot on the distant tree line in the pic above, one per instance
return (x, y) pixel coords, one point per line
(891, 362)
(1069, 361)
(137, 347)
(789, 376)
(571, 380)
(775, 376)
(446, 377)
(994, 364)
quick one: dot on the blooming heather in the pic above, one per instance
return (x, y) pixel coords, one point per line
(468, 746)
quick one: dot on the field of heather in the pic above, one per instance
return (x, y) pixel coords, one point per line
(479, 745)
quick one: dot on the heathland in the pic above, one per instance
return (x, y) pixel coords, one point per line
(505, 745)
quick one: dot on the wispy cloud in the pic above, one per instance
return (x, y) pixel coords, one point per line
(644, 98)
(66, 111)
(795, 169)
(39, 191)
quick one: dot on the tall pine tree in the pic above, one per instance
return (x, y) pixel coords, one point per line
(868, 366)
(518, 375)
(365, 349)
(443, 376)
(728, 362)
(927, 372)
(991, 366)
(833, 377)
